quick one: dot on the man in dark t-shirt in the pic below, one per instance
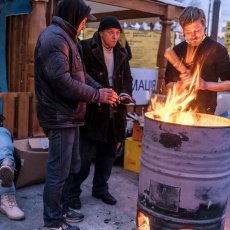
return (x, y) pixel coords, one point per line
(198, 48)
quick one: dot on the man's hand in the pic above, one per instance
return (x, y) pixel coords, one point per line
(126, 99)
(202, 84)
(186, 77)
(108, 96)
(185, 80)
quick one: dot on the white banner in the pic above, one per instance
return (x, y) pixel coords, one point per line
(144, 82)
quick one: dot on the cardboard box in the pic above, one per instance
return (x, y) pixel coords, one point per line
(132, 155)
(39, 144)
(33, 168)
(137, 131)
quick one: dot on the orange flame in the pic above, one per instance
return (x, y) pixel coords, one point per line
(145, 225)
(175, 108)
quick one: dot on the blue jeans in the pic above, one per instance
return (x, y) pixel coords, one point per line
(63, 159)
(6, 151)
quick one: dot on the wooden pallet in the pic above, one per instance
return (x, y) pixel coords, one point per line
(18, 110)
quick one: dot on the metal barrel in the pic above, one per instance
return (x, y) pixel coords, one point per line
(184, 179)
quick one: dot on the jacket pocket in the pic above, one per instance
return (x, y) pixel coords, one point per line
(76, 62)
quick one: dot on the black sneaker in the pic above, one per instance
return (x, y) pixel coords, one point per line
(106, 198)
(64, 226)
(75, 203)
(73, 216)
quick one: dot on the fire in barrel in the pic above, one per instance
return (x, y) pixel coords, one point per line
(184, 180)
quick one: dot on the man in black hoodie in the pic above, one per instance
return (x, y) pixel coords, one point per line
(61, 96)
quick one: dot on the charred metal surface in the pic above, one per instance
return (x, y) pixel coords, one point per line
(162, 224)
(154, 137)
(170, 140)
(184, 137)
(204, 212)
(204, 194)
(165, 196)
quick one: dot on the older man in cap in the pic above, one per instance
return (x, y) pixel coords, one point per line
(107, 62)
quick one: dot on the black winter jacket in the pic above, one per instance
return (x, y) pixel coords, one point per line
(60, 79)
(98, 115)
(214, 61)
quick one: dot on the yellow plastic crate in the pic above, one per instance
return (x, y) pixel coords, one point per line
(132, 155)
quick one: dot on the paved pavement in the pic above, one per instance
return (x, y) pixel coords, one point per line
(98, 216)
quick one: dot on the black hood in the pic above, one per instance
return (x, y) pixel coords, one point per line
(72, 11)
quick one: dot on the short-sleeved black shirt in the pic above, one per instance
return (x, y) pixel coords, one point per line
(215, 64)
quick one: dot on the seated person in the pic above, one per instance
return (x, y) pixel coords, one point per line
(8, 204)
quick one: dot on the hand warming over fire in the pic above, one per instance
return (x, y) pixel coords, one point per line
(202, 84)
(185, 81)
(108, 96)
(124, 98)
(214, 86)
(186, 77)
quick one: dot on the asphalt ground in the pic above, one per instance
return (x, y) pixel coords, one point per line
(98, 216)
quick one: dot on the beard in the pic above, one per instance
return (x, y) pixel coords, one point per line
(196, 41)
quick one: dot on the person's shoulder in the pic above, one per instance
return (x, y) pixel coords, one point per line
(92, 42)
(52, 29)
(122, 50)
(54, 43)
(86, 44)
(52, 33)
(86, 41)
(212, 42)
(216, 46)
(180, 46)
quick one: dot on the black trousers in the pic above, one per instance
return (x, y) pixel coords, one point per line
(104, 154)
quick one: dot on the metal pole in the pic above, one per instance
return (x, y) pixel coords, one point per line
(215, 19)
(209, 11)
